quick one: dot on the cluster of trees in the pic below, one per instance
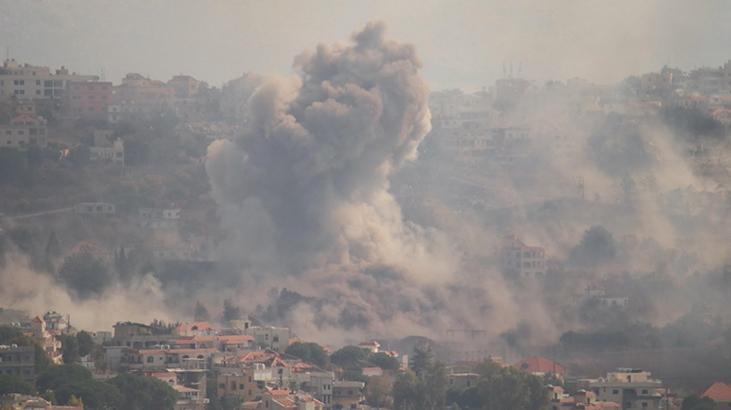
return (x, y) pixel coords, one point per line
(72, 384)
(352, 359)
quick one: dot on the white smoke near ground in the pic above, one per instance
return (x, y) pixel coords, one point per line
(26, 289)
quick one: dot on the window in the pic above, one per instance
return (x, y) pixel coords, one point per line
(241, 386)
(644, 391)
(615, 391)
(233, 385)
(150, 359)
(221, 386)
(644, 404)
(48, 83)
(38, 82)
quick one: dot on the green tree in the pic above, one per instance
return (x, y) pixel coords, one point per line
(70, 349)
(85, 274)
(349, 357)
(67, 380)
(201, 313)
(12, 384)
(694, 402)
(378, 391)
(426, 390)
(85, 343)
(501, 388)
(384, 361)
(230, 311)
(422, 358)
(144, 393)
(309, 352)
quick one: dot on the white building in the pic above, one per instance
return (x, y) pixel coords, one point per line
(630, 388)
(33, 82)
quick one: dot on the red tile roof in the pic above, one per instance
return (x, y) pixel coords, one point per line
(720, 392)
(537, 364)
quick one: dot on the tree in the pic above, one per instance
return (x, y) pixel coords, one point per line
(597, 247)
(378, 391)
(309, 352)
(384, 361)
(12, 384)
(694, 402)
(144, 393)
(230, 311)
(85, 274)
(201, 313)
(501, 388)
(85, 343)
(349, 357)
(422, 359)
(70, 349)
(72, 380)
(426, 389)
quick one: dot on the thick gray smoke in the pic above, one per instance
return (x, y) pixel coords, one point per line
(307, 184)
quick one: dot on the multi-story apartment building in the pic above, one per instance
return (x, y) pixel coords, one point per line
(630, 388)
(522, 260)
(88, 100)
(28, 82)
(18, 361)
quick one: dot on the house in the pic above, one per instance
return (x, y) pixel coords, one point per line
(94, 208)
(270, 337)
(25, 129)
(540, 366)
(239, 382)
(631, 388)
(372, 346)
(15, 401)
(347, 395)
(462, 381)
(194, 329)
(521, 260)
(106, 149)
(720, 393)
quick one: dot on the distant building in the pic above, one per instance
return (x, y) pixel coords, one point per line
(18, 361)
(630, 388)
(15, 401)
(88, 100)
(94, 208)
(720, 393)
(540, 366)
(24, 130)
(27, 82)
(347, 395)
(521, 260)
(462, 381)
(275, 338)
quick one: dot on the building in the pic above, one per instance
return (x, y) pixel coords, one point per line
(462, 381)
(94, 208)
(105, 148)
(523, 261)
(583, 399)
(18, 361)
(15, 401)
(159, 218)
(270, 337)
(720, 393)
(28, 82)
(240, 382)
(282, 399)
(24, 130)
(139, 96)
(630, 388)
(540, 366)
(347, 395)
(88, 100)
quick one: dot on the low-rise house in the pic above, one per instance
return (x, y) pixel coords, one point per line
(630, 388)
(462, 381)
(24, 130)
(15, 401)
(95, 208)
(720, 393)
(347, 395)
(540, 366)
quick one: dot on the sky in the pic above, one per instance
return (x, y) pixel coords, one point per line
(461, 43)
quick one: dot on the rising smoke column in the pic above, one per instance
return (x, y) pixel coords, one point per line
(307, 184)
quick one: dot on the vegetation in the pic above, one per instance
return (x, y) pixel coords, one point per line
(309, 352)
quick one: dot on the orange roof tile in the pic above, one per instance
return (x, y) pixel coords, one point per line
(720, 392)
(537, 364)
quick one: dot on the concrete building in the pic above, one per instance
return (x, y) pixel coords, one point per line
(347, 395)
(462, 381)
(88, 100)
(240, 382)
(24, 130)
(28, 82)
(270, 337)
(630, 388)
(18, 361)
(521, 260)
